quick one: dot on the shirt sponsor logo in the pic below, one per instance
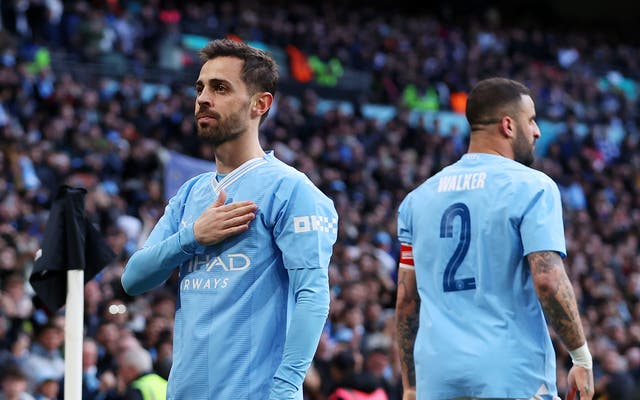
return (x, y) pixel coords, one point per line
(203, 283)
(226, 262)
(233, 262)
(309, 223)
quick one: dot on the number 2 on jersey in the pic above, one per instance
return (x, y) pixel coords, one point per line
(449, 281)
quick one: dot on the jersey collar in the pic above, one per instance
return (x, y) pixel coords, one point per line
(238, 173)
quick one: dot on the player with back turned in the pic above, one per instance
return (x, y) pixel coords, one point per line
(252, 242)
(481, 266)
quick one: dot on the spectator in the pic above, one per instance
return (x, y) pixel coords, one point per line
(352, 384)
(92, 300)
(14, 299)
(73, 118)
(18, 348)
(45, 354)
(47, 388)
(378, 364)
(633, 361)
(93, 385)
(13, 383)
(617, 382)
(107, 338)
(136, 379)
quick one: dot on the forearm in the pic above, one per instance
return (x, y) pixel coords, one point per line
(562, 312)
(557, 298)
(407, 323)
(305, 328)
(150, 266)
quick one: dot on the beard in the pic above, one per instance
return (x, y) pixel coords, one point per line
(522, 149)
(226, 129)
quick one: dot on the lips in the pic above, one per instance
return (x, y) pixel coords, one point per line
(203, 112)
(206, 118)
(206, 114)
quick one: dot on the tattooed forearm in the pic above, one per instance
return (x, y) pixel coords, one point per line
(407, 329)
(563, 319)
(407, 322)
(556, 297)
(407, 289)
(544, 262)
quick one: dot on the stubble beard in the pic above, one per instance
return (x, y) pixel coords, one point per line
(523, 150)
(226, 130)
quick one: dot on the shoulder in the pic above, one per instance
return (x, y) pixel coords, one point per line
(287, 180)
(431, 183)
(198, 180)
(204, 179)
(422, 190)
(537, 179)
(133, 393)
(518, 176)
(285, 171)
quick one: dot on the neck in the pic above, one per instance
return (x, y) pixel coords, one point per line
(482, 142)
(231, 155)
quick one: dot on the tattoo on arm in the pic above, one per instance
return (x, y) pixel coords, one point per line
(556, 297)
(407, 321)
(589, 384)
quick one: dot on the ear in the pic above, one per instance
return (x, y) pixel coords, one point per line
(507, 126)
(261, 103)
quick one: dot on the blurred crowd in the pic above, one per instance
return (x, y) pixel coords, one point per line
(57, 129)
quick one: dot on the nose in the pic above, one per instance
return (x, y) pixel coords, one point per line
(536, 132)
(204, 98)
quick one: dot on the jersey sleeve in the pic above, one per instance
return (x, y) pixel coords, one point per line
(311, 294)
(169, 244)
(405, 235)
(306, 226)
(305, 231)
(542, 227)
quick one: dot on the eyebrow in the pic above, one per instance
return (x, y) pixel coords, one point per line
(212, 82)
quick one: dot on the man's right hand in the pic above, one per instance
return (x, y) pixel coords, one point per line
(219, 220)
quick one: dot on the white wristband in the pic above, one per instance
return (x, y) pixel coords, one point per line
(581, 357)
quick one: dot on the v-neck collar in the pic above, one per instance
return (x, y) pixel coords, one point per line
(236, 174)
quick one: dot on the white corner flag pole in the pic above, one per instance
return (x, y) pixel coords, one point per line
(73, 335)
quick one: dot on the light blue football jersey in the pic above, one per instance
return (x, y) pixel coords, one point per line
(235, 298)
(482, 330)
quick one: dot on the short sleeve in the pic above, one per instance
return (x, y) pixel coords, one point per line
(542, 227)
(405, 231)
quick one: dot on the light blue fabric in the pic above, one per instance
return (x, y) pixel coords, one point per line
(482, 330)
(251, 308)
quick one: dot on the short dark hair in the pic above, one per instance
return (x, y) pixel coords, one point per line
(259, 72)
(48, 326)
(491, 97)
(344, 361)
(12, 371)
